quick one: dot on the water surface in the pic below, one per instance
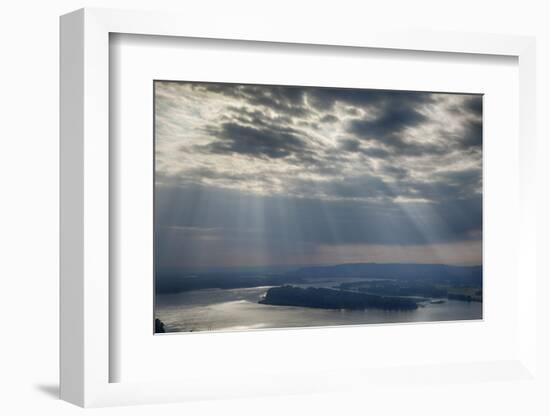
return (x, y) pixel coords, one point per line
(238, 309)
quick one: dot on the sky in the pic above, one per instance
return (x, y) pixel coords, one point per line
(254, 175)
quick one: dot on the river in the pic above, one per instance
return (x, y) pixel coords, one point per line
(238, 309)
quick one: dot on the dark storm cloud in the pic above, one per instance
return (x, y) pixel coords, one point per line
(252, 125)
(326, 98)
(362, 186)
(350, 145)
(256, 133)
(376, 152)
(271, 142)
(471, 105)
(397, 114)
(292, 99)
(442, 186)
(282, 99)
(256, 118)
(471, 135)
(329, 118)
(386, 132)
(462, 178)
(390, 122)
(395, 171)
(474, 105)
(289, 100)
(390, 148)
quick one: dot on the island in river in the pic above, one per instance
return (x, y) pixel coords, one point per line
(318, 295)
(312, 297)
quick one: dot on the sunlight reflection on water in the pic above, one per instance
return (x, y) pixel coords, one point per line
(238, 309)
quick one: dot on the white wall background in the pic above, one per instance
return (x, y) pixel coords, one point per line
(29, 199)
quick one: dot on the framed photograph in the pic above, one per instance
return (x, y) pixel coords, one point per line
(275, 212)
(288, 206)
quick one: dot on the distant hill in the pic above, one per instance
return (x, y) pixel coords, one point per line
(454, 275)
(472, 274)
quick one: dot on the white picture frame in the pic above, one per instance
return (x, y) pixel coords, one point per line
(85, 208)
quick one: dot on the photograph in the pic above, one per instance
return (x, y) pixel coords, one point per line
(285, 206)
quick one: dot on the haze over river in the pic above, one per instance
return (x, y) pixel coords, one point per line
(238, 309)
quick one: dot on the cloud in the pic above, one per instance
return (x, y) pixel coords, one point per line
(327, 98)
(269, 142)
(471, 136)
(288, 170)
(329, 118)
(470, 105)
(388, 124)
(288, 100)
(391, 130)
(207, 132)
